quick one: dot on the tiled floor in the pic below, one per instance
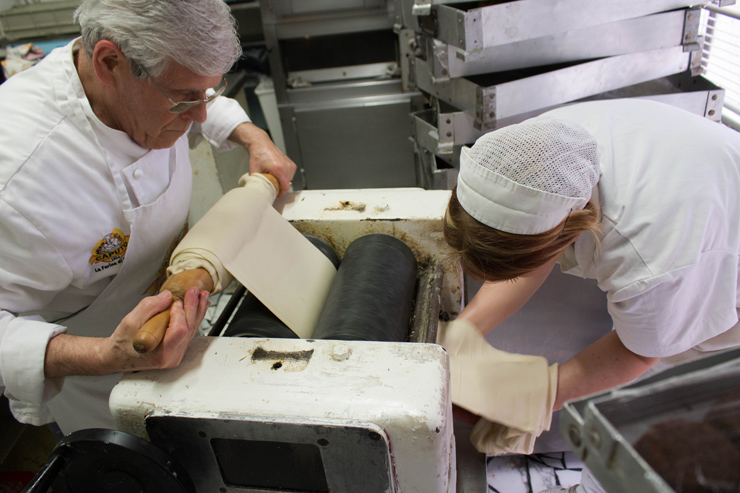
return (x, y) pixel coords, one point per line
(533, 473)
(29, 453)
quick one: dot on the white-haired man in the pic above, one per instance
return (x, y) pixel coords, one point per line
(93, 146)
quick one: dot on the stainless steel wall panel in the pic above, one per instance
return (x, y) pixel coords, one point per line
(343, 111)
(351, 135)
(362, 146)
(368, 71)
(337, 93)
(335, 24)
(297, 7)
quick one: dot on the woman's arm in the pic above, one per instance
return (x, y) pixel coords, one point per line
(497, 301)
(604, 364)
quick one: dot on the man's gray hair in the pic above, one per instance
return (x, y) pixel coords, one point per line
(197, 34)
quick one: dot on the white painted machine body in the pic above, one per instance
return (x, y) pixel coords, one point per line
(375, 415)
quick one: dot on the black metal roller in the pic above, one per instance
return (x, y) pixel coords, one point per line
(372, 294)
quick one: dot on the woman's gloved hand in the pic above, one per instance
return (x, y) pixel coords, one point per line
(513, 393)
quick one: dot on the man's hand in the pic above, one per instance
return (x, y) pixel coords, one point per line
(264, 156)
(68, 355)
(185, 317)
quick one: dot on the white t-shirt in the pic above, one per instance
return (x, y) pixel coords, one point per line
(670, 197)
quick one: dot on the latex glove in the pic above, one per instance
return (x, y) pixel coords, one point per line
(513, 393)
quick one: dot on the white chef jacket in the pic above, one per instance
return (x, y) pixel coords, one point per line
(670, 197)
(69, 187)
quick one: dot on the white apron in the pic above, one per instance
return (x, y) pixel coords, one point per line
(83, 402)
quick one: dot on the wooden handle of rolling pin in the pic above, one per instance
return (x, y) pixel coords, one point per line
(152, 332)
(273, 180)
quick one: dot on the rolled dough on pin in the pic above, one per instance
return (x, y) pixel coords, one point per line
(251, 241)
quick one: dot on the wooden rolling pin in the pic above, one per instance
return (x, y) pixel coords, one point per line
(152, 332)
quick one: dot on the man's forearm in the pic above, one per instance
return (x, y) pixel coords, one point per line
(247, 133)
(68, 355)
(604, 364)
(264, 156)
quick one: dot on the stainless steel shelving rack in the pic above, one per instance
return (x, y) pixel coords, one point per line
(485, 65)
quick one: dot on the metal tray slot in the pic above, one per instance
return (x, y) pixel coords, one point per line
(494, 100)
(441, 131)
(652, 32)
(472, 27)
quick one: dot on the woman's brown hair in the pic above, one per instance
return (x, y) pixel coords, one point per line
(493, 255)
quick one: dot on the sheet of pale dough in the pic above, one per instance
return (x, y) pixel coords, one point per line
(513, 393)
(243, 235)
(515, 390)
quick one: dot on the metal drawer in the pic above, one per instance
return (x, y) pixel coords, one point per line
(492, 98)
(694, 94)
(471, 27)
(443, 129)
(652, 32)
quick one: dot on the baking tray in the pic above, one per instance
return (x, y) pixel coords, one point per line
(491, 98)
(652, 32)
(443, 129)
(603, 429)
(479, 25)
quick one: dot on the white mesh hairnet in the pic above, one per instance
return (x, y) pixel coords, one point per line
(526, 178)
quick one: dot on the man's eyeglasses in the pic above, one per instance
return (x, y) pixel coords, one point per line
(184, 106)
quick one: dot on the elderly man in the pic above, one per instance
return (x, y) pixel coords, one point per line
(95, 187)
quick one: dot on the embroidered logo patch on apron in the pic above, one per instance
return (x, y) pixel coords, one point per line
(110, 251)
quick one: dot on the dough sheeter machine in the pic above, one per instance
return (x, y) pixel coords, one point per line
(267, 414)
